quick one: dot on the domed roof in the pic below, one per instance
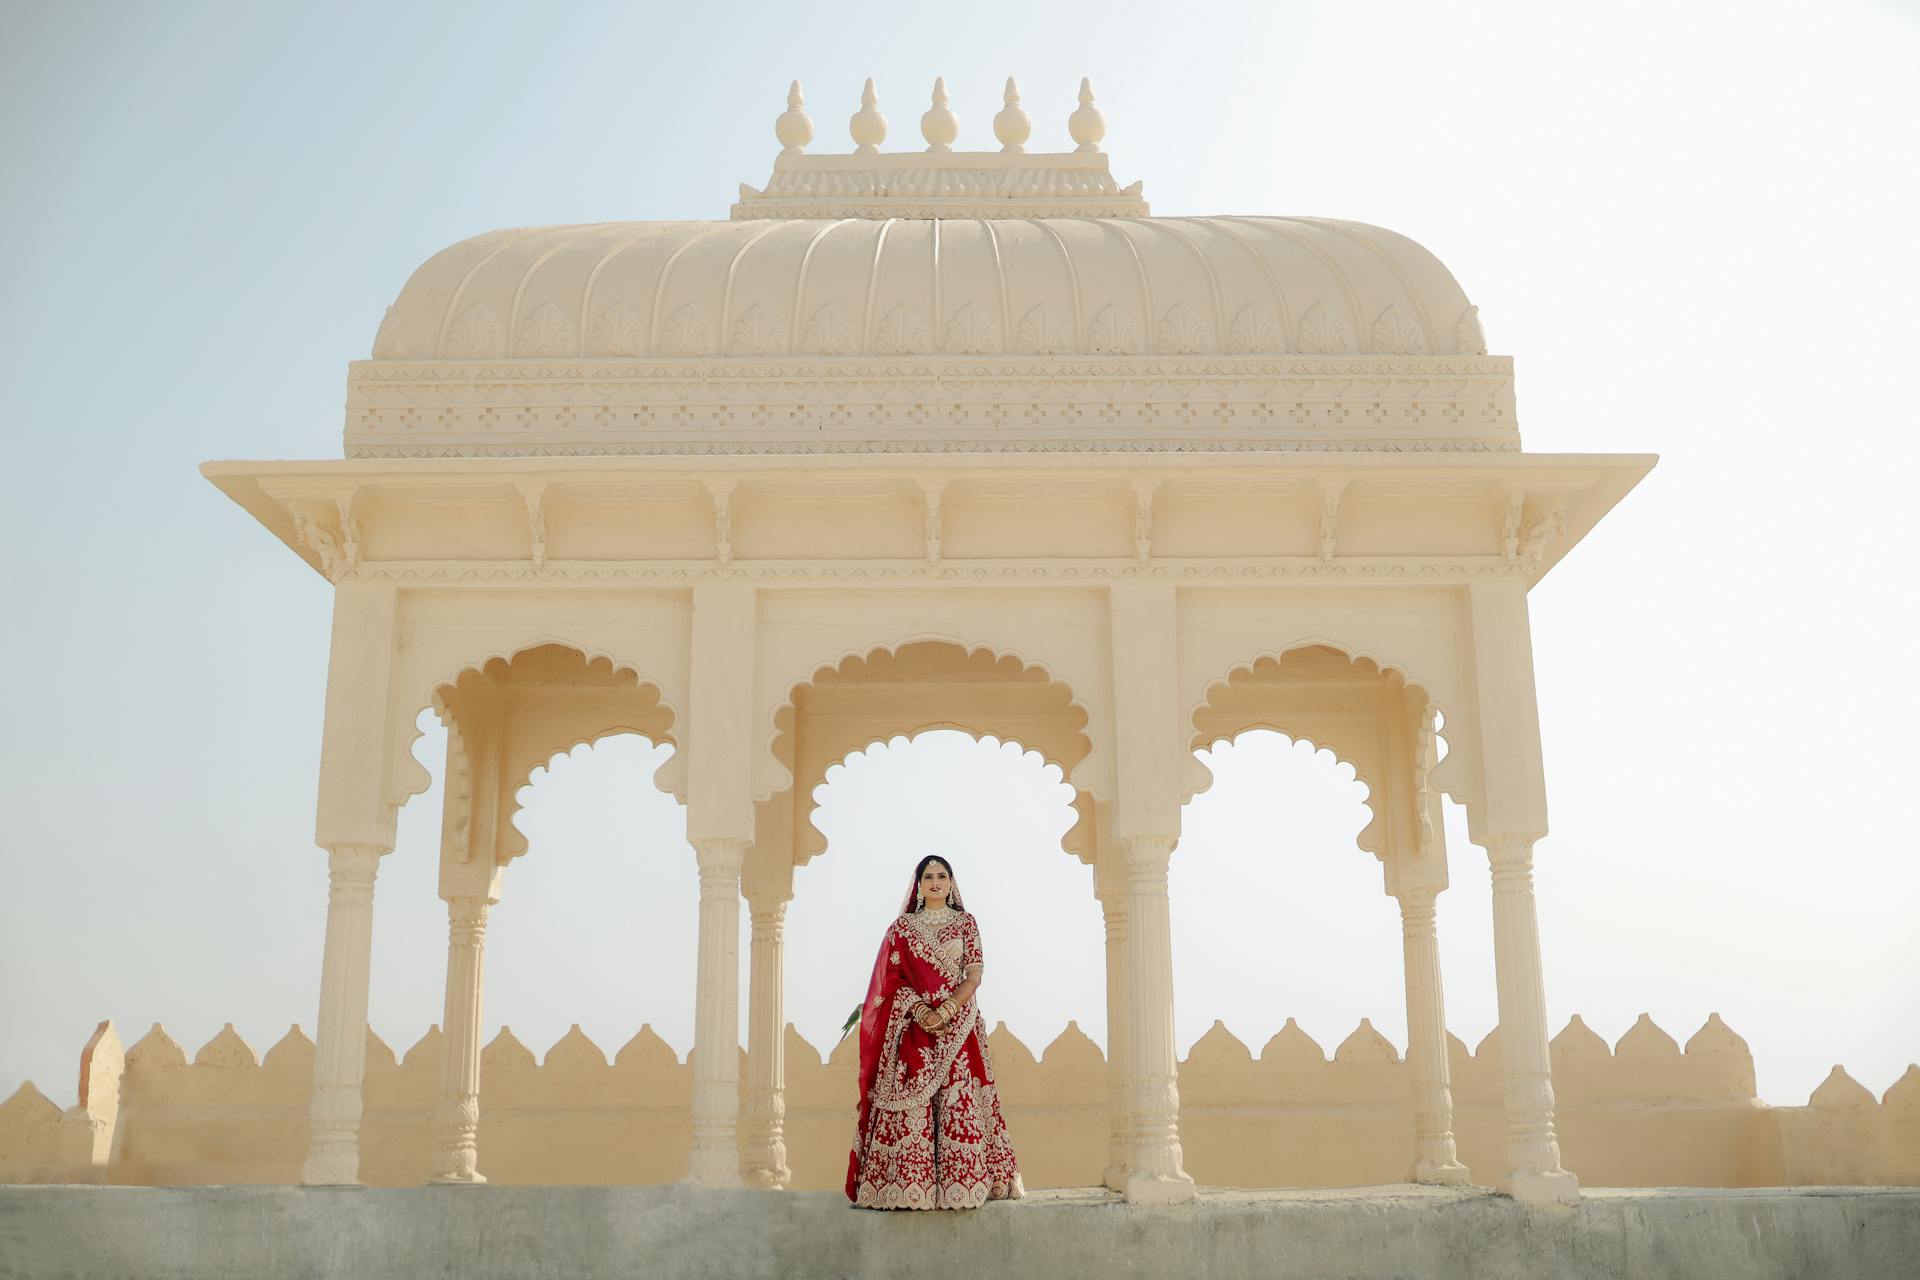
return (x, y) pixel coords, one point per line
(931, 287)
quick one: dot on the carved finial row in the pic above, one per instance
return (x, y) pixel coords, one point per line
(939, 126)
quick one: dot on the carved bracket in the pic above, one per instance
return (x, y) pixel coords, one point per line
(330, 529)
(931, 492)
(1542, 529)
(1330, 493)
(1510, 524)
(721, 491)
(534, 494)
(1143, 491)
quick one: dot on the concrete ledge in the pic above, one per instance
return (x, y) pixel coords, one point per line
(264, 1233)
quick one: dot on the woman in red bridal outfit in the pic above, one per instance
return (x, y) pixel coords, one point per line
(929, 1133)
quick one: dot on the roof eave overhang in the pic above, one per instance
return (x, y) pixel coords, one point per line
(1582, 486)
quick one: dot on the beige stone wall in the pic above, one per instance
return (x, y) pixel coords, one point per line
(1645, 1112)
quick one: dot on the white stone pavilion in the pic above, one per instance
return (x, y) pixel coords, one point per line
(933, 438)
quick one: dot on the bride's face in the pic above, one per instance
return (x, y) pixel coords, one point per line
(935, 885)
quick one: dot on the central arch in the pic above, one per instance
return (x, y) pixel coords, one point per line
(905, 690)
(844, 708)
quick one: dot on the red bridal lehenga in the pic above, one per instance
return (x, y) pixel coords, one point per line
(929, 1133)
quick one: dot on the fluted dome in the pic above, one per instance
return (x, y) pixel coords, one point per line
(923, 287)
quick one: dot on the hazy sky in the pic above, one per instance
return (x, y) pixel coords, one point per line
(1692, 225)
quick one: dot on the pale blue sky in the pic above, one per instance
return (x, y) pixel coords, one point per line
(1690, 223)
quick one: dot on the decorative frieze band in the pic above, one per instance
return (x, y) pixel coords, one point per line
(1383, 404)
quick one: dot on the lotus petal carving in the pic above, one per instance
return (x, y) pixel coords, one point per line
(475, 335)
(971, 332)
(901, 333)
(546, 332)
(616, 333)
(395, 341)
(757, 334)
(1182, 332)
(1113, 333)
(1322, 333)
(687, 333)
(1041, 333)
(1254, 331)
(1468, 336)
(827, 334)
(1396, 333)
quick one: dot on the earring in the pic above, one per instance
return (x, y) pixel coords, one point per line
(919, 901)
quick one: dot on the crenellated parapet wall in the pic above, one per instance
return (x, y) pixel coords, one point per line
(1644, 1112)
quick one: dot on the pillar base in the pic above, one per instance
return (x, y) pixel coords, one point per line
(1531, 1187)
(458, 1180)
(764, 1179)
(332, 1169)
(720, 1168)
(1147, 1188)
(1434, 1173)
(1116, 1177)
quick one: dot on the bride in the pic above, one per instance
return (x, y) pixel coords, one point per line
(929, 1134)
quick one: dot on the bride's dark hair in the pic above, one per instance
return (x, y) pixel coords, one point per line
(913, 890)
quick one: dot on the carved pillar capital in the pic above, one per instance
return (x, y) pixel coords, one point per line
(1148, 855)
(351, 869)
(720, 858)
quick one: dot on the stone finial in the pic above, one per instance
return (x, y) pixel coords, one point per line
(867, 125)
(1012, 126)
(940, 126)
(794, 128)
(1086, 124)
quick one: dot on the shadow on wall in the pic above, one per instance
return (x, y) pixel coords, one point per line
(1643, 1113)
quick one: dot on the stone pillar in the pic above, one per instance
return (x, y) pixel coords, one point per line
(715, 1160)
(1533, 1152)
(1156, 1174)
(340, 1039)
(354, 823)
(1435, 1159)
(765, 1124)
(456, 1121)
(1505, 817)
(1119, 1096)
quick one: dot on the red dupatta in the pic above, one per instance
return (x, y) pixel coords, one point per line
(907, 969)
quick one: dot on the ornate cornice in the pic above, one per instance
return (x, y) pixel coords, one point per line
(684, 573)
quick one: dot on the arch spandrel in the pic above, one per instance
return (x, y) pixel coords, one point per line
(904, 691)
(1060, 633)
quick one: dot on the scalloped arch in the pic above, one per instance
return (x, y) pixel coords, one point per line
(419, 779)
(1370, 838)
(784, 713)
(783, 776)
(813, 803)
(1313, 640)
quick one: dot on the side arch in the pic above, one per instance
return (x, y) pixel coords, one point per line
(1371, 714)
(510, 712)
